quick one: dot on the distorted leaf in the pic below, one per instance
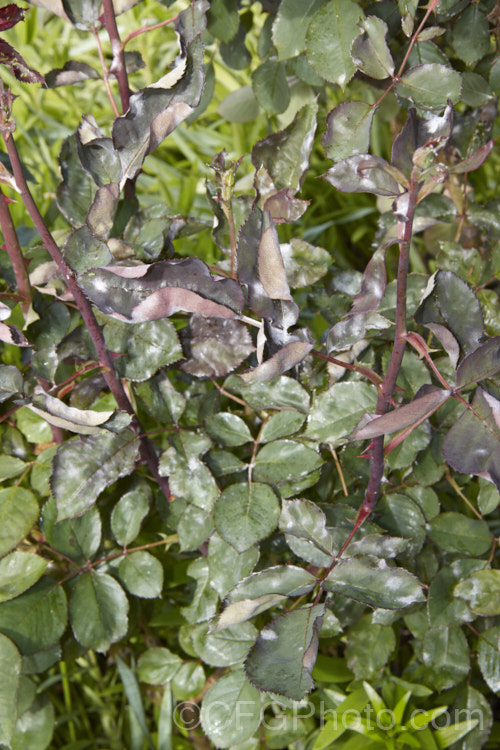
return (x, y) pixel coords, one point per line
(283, 360)
(84, 467)
(56, 412)
(369, 50)
(363, 173)
(283, 656)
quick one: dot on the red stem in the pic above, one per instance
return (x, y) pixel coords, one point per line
(118, 64)
(15, 253)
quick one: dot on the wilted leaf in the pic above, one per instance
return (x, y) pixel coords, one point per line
(283, 360)
(286, 153)
(363, 173)
(284, 654)
(98, 611)
(372, 581)
(82, 421)
(137, 294)
(84, 467)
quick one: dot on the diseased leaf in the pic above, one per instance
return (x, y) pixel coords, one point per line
(82, 250)
(223, 649)
(10, 669)
(329, 38)
(77, 538)
(228, 429)
(445, 653)
(205, 599)
(215, 346)
(475, 160)
(142, 574)
(403, 416)
(488, 656)
(84, 467)
(286, 153)
(369, 647)
(145, 347)
(373, 581)
(72, 72)
(221, 717)
(11, 382)
(83, 13)
(17, 65)
(189, 478)
(281, 392)
(348, 129)
(129, 512)
(37, 618)
(81, 421)
(304, 263)
(282, 424)
(283, 460)
(290, 355)
(363, 173)
(481, 591)
(369, 50)
(304, 520)
(483, 362)
(472, 446)
(227, 566)
(283, 656)
(429, 86)
(136, 294)
(245, 514)
(287, 580)
(10, 15)
(76, 191)
(98, 610)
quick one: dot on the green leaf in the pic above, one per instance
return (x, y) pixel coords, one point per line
(77, 538)
(290, 26)
(161, 399)
(36, 619)
(473, 705)
(189, 478)
(129, 512)
(11, 382)
(223, 649)
(246, 513)
(158, 665)
(369, 50)
(10, 669)
(449, 301)
(483, 362)
(82, 250)
(304, 263)
(98, 611)
(223, 19)
(488, 656)
(445, 653)
(338, 410)
(281, 392)
(228, 429)
(83, 14)
(34, 729)
(369, 647)
(282, 460)
(188, 681)
(18, 572)
(142, 574)
(270, 86)
(230, 712)
(488, 498)
(76, 192)
(34, 428)
(454, 532)
(331, 669)
(329, 38)
(18, 512)
(444, 606)
(283, 656)
(133, 693)
(205, 599)
(287, 580)
(286, 422)
(372, 581)
(348, 129)
(402, 516)
(239, 106)
(146, 347)
(286, 153)
(481, 591)
(84, 467)
(471, 34)
(446, 736)
(429, 86)
(363, 173)
(227, 566)
(194, 527)
(304, 520)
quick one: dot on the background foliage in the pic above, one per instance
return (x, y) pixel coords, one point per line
(190, 465)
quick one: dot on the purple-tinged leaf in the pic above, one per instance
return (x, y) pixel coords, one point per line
(450, 302)
(83, 14)
(284, 359)
(72, 72)
(10, 15)
(284, 208)
(472, 446)
(136, 294)
(285, 154)
(17, 65)
(349, 331)
(81, 421)
(474, 161)
(348, 129)
(369, 51)
(101, 214)
(363, 173)
(447, 340)
(431, 133)
(483, 362)
(12, 335)
(373, 285)
(214, 346)
(404, 416)
(270, 266)
(11, 382)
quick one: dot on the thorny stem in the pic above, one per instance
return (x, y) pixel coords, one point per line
(114, 383)
(118, 64)
(15, 253)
